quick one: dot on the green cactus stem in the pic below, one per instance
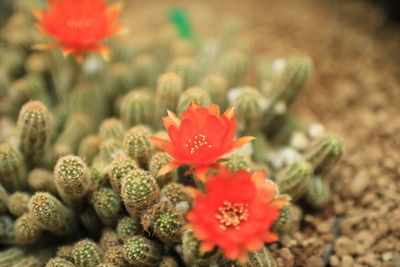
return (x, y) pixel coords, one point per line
(12, 168)
(294, 179)
(191, 250)
(18, 203)
(217, 87)
(59, 262)
(137, 145)
(107, 204)
(86, 253)
(157, 161)
(140, 251)
(319, 193)
(137, 107)
(118, 168)
(193, 94)
(26, 230)
(89, 148)
(128, 227)
(112, 128)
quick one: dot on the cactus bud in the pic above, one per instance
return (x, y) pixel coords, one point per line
(3, 199)
(107, 205)
(120, 167)
(18, 203)
(191, 250)
(50, 214)
(12, 168)
(76, 127)
(249, 107)
(128, 227)
(59, 262)
(233, 67)
(169, 88)
(185, 68)
(72, 178)
(319, 193)
(112, 128)
(193, 94)
(65, 252)
(86, 253)
(145, 70)
(137, 107)
(139, 191)
(164, 222)
(159, 160)
(89, 148)
(109, 238)
(217, 87)
(110, 149)
(26, 230)
(237, 161)
(294, 179)
(140, 251)
(137, 145)
(324, 152)
(35, 130)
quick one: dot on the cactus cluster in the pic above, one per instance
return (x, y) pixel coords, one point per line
(80, 181)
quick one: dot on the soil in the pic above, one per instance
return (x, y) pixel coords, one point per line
(354, 92)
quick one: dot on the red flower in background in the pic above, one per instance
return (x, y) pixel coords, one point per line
(78, 25)
(199, 138)
(235, 213)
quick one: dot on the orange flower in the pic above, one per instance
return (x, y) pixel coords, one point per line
(235, 213)
(78, 25)
(199, 138)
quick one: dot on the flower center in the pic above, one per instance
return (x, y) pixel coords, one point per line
(232, 214)
(196, 143)
(79, 23)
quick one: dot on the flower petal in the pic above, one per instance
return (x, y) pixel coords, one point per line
(167, 168)
(242, 141)
(206, 247)
(229, 113)
(193, 105)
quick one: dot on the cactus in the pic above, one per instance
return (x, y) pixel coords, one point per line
(7, 235)
(3, 199)
(191, 250)
(145, 70)
(164, 222)
(233, 67)
(115, 255)
(282, 223)
(50, 214)
(18, 203)
(128, 227)
(120, 167)
(35, 130)
(109, 238)
(168, 262)
(12, 168)
(110, 149)
(217, 87)
(184, 67)
(136, 107)
(41, 180)
(107, 204)
(237, 161)
(11, 256)
(319, 193)
(157, 161)
(176, 194)
(193, 94)
(294, 179)
(259, 258)
(86, 253)
(65, 252)
(59, 262)
(90, 221)
(26, 230)
(112, 128)
(140, 251)
(324, 152)
(137, 145)
(139, 191)
(89, 148)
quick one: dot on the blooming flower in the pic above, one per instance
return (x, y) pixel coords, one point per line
(199, 138)
(78, 25)
(236, 212)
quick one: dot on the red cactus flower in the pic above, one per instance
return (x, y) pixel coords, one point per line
(235, 213)
(199, 138)
(78, 25)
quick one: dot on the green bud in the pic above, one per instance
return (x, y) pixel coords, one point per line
(185, 68)
(137, 107)
(193, 94)
(164, 222)
(59, 262)
(11, 256)
(18, 203)
(145, 70)
(3, 199)
(109, 238)
(168, 262)
(217, 87)
(191, 250)
(294, 179)
(89, 148)
(50, 214)
(238, 161)
(86, 253)
(319, 193)
(118, 168)
(140, 251)
(249, 109)
(128, 227)
(76, 128)
(111, 148)
(72, 178)
(139, 191)
(324, 152)
(26, 230)
(159, 160)
(107, 205)
(233, 67)
(112, 128)
(137, 145)
(35, 130)
(12, 168)
(65, 252)
(115, 255)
